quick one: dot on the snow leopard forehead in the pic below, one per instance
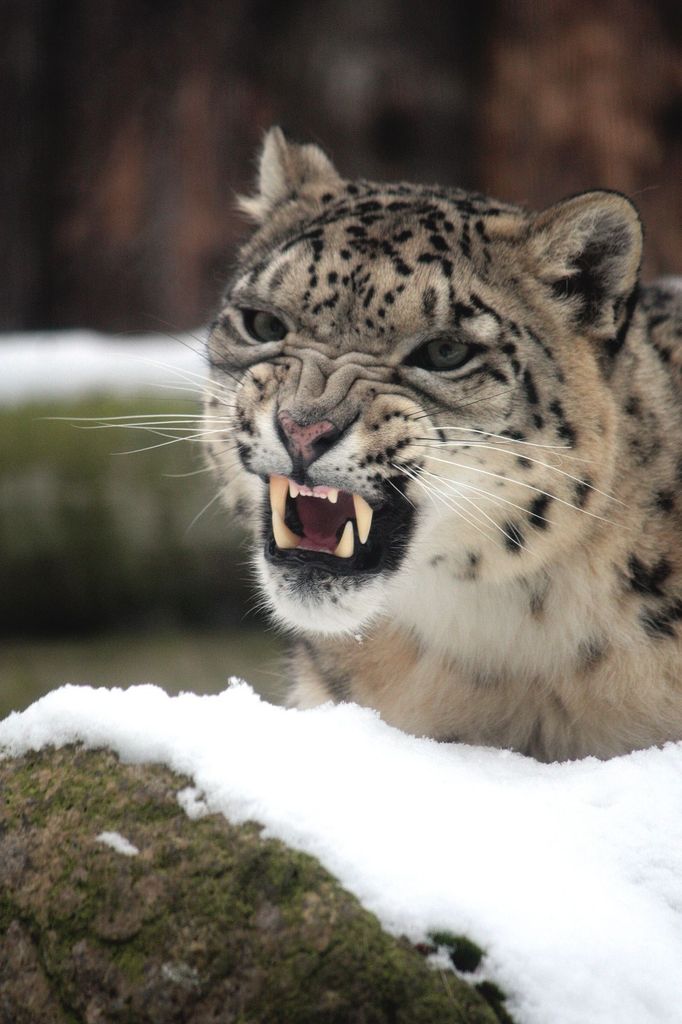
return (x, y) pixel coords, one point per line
(378, 262)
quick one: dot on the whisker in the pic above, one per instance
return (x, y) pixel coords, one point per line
(449, 503)
(476, 401)
(496, 498)
(437, 445)
(192, 472)
(179, 337)
(502, 437)
(531, 487)
(470, 501)
(569, 476)
(398, 491)
(199, 438)
(202, 511)
(198, 391)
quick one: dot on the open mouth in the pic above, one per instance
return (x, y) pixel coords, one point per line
(332, 529)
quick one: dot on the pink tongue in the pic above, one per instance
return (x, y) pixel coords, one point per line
(321, 520)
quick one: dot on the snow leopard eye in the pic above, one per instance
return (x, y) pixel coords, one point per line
(440, 354)
(263, 326)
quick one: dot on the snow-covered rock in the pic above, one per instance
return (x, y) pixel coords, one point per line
(569, 876)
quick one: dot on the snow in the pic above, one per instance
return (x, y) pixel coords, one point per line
(68, 364)
(568, 875)
(117, 842)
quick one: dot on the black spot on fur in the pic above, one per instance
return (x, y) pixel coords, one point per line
(429, 299)
(513, 538)
(479, 227)
(483, 307)
(648, 580)
(564, 429)
(537, 511)
(664, 500)
(659, 623)
(368, 297)
(244, 452)
(537, 596)
(529, 387)
(590, 652)
(582, 492)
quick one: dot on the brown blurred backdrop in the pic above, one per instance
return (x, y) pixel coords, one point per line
(129, 124)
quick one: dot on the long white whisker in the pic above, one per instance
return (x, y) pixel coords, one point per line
(449, 503)
(199, 514)
(130, 416)
(555, 469)
(530, 487)
(199, 438)
(480, 511)
(192, 472)
(398, 491)
(206, 382)
(503, 451)
(502, 437)
(496, 498)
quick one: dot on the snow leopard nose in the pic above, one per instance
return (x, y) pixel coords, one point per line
(305, 442)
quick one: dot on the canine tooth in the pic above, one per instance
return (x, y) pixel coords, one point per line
(284, 537)
(278, 494)
(363, 517)
(346, 545)
(293, 489)
(333, 495)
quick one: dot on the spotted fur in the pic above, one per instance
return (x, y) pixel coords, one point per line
(533, 596)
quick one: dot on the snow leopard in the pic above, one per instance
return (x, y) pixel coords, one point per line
(453, 428)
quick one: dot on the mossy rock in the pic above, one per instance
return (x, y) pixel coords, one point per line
(209, 922)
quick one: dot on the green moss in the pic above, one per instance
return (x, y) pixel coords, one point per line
(209, 918)
(496, 999)
(465, 955)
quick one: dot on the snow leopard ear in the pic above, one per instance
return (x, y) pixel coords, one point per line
(588, 249)
(286, 169)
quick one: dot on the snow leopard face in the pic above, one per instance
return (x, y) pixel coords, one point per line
(405, 377)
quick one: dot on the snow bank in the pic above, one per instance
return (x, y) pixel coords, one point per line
(570, 876)
(67, 364)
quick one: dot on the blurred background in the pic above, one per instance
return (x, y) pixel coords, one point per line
(127, 129)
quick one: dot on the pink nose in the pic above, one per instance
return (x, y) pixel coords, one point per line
(305, 443)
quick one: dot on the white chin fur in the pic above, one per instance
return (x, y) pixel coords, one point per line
(352, 612)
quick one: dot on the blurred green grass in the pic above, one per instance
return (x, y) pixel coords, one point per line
(93, 539)
(109, 570)
(201, 662)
